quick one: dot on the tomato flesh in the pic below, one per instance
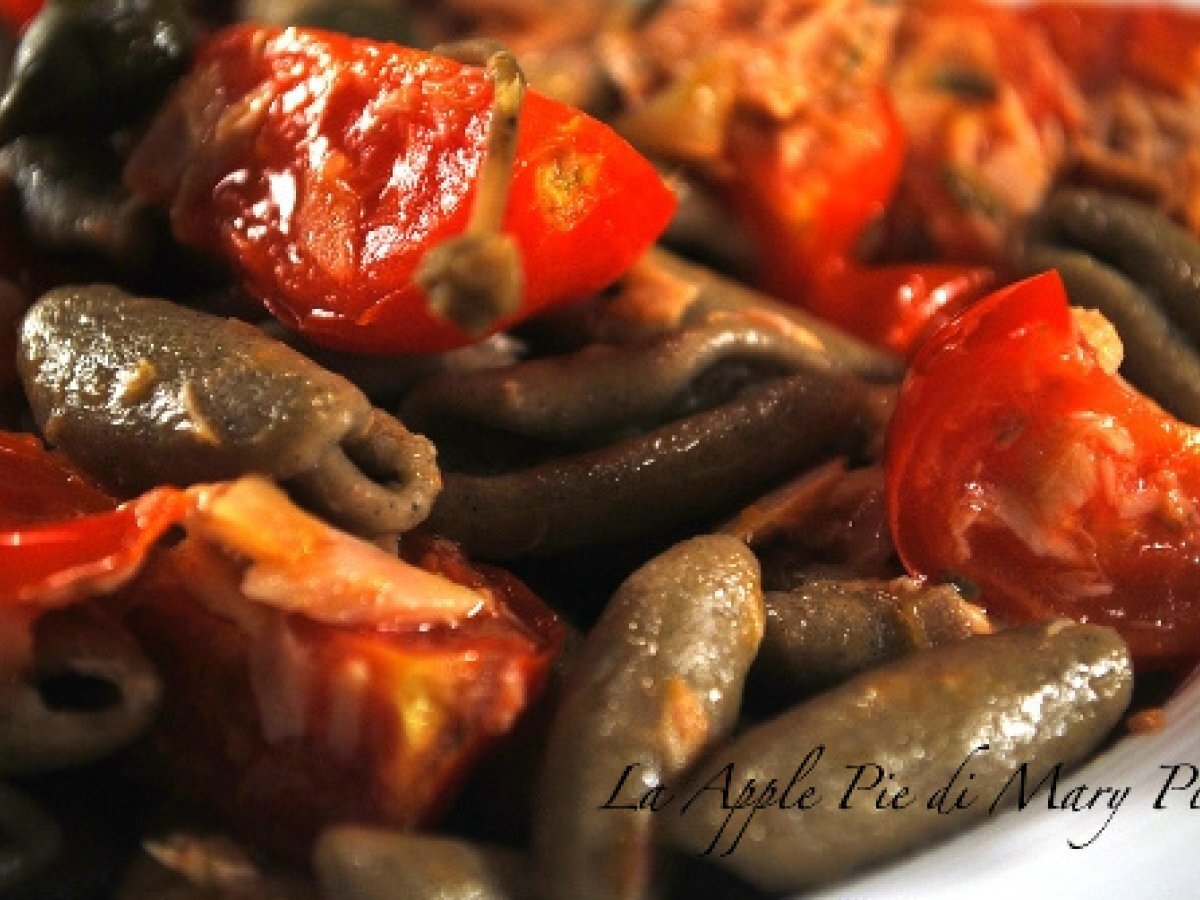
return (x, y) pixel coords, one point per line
(808, 190)
(1018, 461)
(286, 728)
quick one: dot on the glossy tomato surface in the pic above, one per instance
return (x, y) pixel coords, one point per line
(283, 725)
(322, 168)
(61, 538)
(1018, 461)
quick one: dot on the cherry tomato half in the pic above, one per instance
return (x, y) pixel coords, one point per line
(1018, 460)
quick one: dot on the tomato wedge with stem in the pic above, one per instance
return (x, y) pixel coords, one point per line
(323, 169)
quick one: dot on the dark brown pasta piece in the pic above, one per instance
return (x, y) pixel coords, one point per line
(30, 839)
(89, 691)
(605, 390)
(825, 631)
(1036, 697)
(658, 679)
(663, 292)
(696, 467)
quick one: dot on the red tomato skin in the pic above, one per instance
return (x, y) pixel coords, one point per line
(1015, 461)
(323, 167)
(61, 537)
(808, 209)
(896, 306)
(16, 14)
(39, 486)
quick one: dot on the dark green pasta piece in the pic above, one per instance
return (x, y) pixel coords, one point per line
(1025, 700)
(1159, 256)
(142, 392)
(91, 66)
(658, 679)
(825, 631)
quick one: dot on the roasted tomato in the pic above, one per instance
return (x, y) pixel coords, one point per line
(1019, 461)
(895, 306)
(61, 538)
(311, 678)
(309, 675)
(16, 14)
(809, 210)
(324, 168)
(1159, 46)
(809, 189)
